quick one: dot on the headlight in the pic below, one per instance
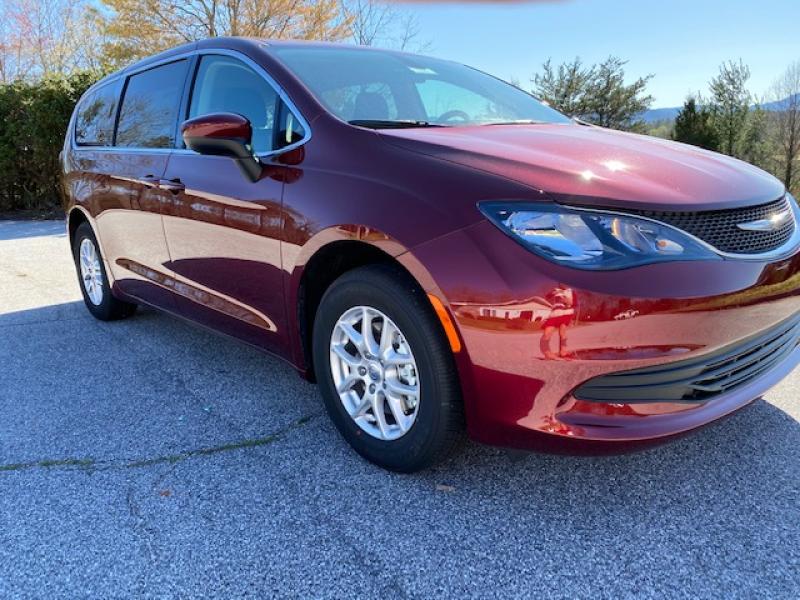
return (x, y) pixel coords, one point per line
(587, 239)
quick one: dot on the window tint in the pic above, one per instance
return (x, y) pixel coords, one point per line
(94, 125)
(364, 84)
(224, 84)
(149, 114)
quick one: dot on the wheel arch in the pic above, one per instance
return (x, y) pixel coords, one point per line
(75, 217)
(337, 255)
(78, 215)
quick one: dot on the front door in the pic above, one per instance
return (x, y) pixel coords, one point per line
(223, 229)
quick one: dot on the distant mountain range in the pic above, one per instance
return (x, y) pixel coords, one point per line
(668, 114)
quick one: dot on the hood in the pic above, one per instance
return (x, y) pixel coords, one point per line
(591, 166)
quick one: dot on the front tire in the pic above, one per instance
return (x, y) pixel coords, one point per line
(93, 279)
(386, 371)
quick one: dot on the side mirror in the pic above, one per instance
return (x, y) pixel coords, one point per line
(223, 134)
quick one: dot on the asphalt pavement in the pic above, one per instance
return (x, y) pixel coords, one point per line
(151, 458)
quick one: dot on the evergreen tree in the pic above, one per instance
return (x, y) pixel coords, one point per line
(565, 87)
(597, 94)
(693, 125)
(612, 103)
(754, 145)
(730, 105)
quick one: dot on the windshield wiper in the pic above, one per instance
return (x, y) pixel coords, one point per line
(392, 124)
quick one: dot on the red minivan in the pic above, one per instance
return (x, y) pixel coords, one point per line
(437, 249)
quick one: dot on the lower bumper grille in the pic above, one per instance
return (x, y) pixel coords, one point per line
(701, 378)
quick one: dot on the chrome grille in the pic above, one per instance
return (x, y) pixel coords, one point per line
(697, 379)
(719, 227)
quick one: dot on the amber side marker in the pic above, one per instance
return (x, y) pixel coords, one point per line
(447, 323)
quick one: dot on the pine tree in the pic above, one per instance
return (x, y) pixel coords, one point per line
(564, 87)
(730, 105)
(693, 125)
(597, 94)
(754, 147)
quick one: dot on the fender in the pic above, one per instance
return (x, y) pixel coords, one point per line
(88, 216)
(405, 257)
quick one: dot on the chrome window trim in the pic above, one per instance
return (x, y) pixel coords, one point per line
(783, 251)
(259, 70)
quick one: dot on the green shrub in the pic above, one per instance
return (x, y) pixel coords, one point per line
(33, 121)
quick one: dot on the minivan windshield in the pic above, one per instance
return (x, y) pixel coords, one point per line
(381, 90)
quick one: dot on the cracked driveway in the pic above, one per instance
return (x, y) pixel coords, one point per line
(148, 457)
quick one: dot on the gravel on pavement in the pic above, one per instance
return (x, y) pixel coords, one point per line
(148, 457)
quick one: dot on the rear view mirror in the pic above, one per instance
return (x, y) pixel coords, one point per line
(223, 134)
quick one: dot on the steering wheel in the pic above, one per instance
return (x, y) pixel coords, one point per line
(453, 114)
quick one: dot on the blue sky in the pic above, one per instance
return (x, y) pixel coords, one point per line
(681, 42)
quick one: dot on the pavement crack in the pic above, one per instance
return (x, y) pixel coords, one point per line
(141, 527)
(71, 463)
(91, 464)
(144, 527)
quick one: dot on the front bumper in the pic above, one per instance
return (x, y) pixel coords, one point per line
(520, 380)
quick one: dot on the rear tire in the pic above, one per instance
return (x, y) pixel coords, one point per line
(93, 279)
(416, 388)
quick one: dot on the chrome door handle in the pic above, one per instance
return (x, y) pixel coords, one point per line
(150, 181)
(176, 186)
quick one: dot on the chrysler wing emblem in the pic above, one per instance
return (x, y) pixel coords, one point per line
(772, 223)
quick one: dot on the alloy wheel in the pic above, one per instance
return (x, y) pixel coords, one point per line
(91, 272)
(375, 373)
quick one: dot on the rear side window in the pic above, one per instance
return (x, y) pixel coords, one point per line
(149, 114)
(224, 84)
(94, 125)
